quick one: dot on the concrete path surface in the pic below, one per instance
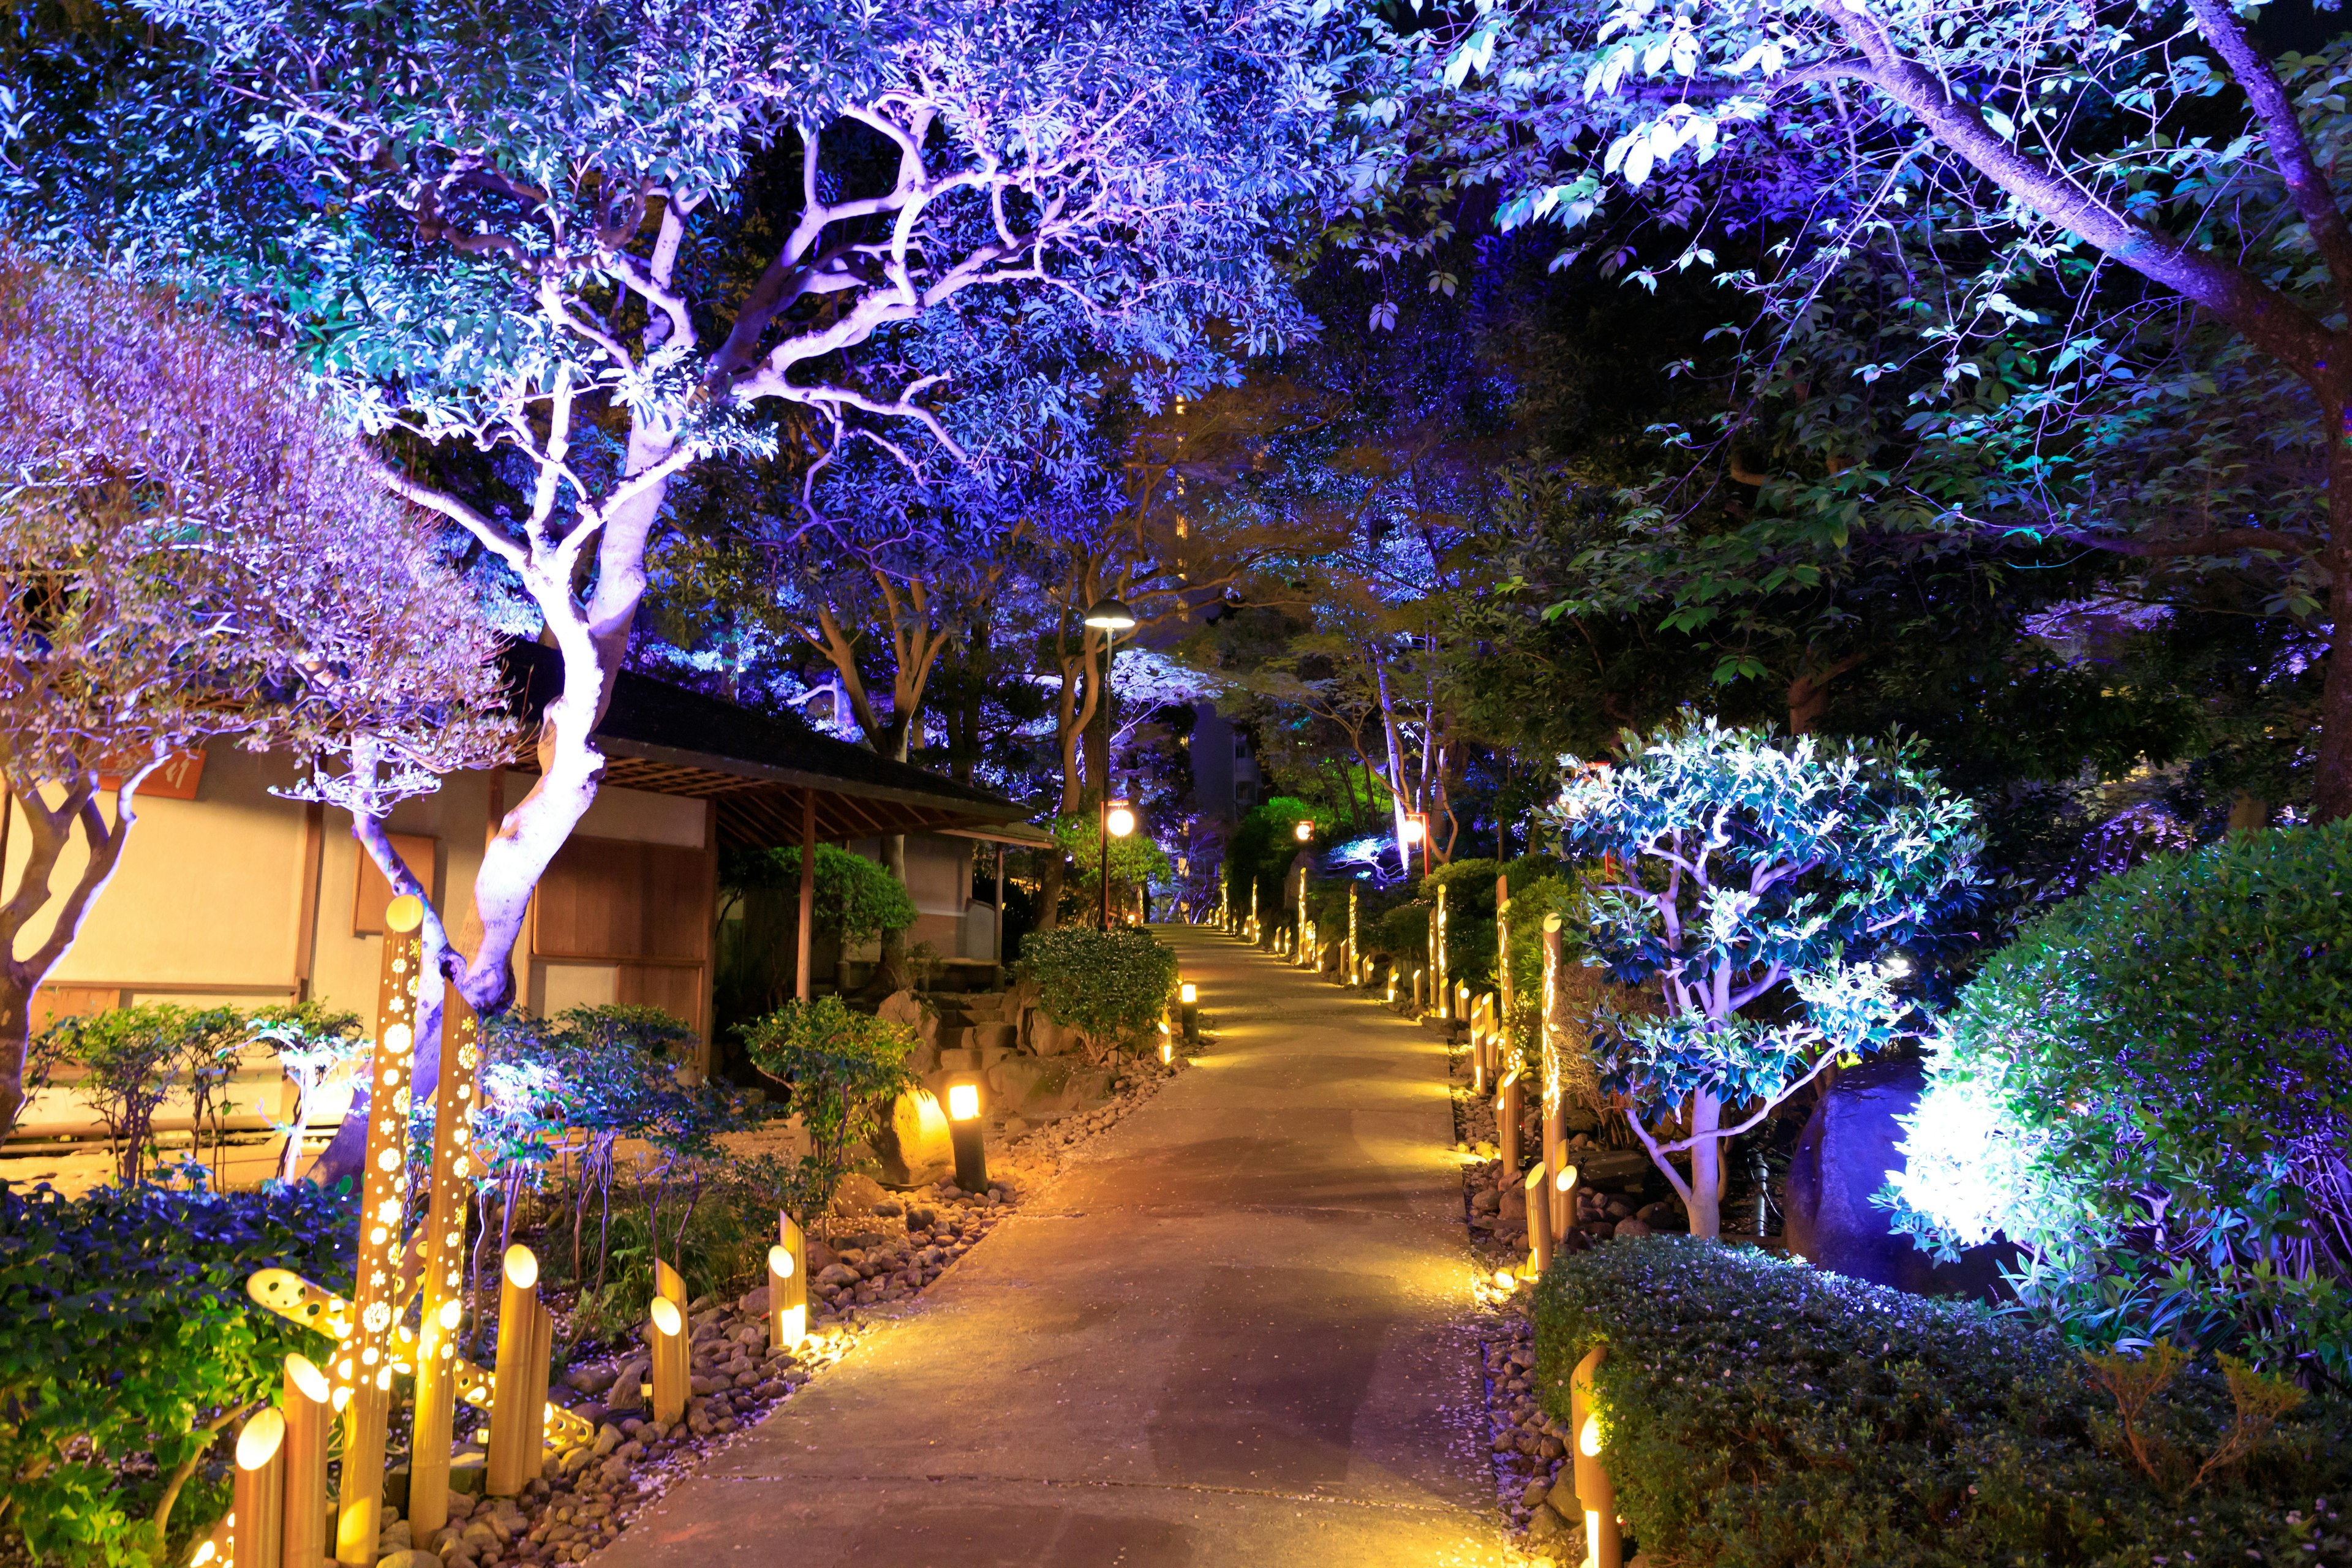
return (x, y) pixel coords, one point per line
(1222, 1336)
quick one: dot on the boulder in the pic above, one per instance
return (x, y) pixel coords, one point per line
(1048, 1038)
(1000, 1038)
(901, 1007)
(1846, 1154)
(1041, 1088)
(912, 1144)
(856, 1195)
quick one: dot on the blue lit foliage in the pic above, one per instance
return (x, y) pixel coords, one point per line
(1997, 177)
(2149, 1092)
(1744, 863)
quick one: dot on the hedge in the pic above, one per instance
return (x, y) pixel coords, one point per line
(1113, 984)
(1762, 1413)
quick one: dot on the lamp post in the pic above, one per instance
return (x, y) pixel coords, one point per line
(1414, 830)
(1109, 618)
(1119, 821)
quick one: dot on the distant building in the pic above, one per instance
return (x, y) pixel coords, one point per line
(1225, 778)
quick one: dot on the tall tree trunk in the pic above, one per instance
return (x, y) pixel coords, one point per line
(2331, 784)
(1706, 1197)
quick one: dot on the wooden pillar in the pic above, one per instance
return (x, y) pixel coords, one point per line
(807, 923)
(998, 944)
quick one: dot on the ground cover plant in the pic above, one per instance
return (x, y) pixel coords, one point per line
(1757, 1412)
(127, 1346)
(2147, 1092)
(1112, 985)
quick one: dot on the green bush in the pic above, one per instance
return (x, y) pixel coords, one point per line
(131, 1058)
(844, 1068)
(127, 1346)
(1112, 985)
(1757, 1412)
(1469, 918)
(2148, 1091)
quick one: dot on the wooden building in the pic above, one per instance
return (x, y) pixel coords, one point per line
(229, 893)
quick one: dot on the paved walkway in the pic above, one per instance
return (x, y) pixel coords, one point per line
(1223, 1337)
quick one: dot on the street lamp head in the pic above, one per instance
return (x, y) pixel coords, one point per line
(1120, 819)
(1110, 615)
(1304, 831)
(1416, 827)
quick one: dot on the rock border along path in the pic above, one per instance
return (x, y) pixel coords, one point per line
(1230, 1332)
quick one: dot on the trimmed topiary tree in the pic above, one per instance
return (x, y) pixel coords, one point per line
(2147, 1092)
(1757, 881)
(1112, 985)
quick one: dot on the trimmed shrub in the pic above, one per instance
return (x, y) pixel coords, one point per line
(128, 1347)
(2148, 1091)
(1758, 1412)
(844, 1068)
(1112, 985)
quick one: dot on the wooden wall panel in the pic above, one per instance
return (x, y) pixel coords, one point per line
(372, 893)
(675, 988)
(52, 1001)
(617, 899)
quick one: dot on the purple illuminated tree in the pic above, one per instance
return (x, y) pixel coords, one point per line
(561, 253)
(194, 553)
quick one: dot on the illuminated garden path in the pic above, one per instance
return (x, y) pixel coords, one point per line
(1223, 1337)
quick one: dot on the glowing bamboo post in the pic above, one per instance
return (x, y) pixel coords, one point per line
(665, 1338)
(514, 1419)
(1441, 995)
(788, 1286)
(364, 1363)
(1595, 1492)
(259, 1502)
(1564, 1183)
(672, 1359)
(543, 1353)
(1555, 1125)
(1355, 968)
(1506, 1121)
(1538, 1232)
(445, 1268)
(308, 1405)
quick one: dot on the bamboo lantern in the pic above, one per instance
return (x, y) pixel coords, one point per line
(308, 1405)
(513, 1456)
(1564, 1184)
(258, 1504)
(1555, 1125)
(1355, 967)
(1595, 1492)
(364, 1364)
(445, 1268)
(788, 1286)
(1539, 1227)
(672, 1359)
(666, 1338)
(1441, 993)
(1507, 1122)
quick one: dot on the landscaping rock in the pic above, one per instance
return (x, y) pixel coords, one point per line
(912, 1146)
(627, 1388)
(1846, 1154)
(856, 1195)
(1545, 1524)
(1629, 1228)
(1004, 1039)
(1038, 1088)
(408, 1558)
(1048, 1038)
(901, 1007)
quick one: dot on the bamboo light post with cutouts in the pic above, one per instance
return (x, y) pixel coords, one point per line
(452, 1181)
(1506, 1121)
(1441, 993)
(1555, 1125)
(1596, 1493)
(1355, 949)
(788, 1285)
(515, 1422)
(363, 1361)
(1538, 1231)
(307, 1406)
